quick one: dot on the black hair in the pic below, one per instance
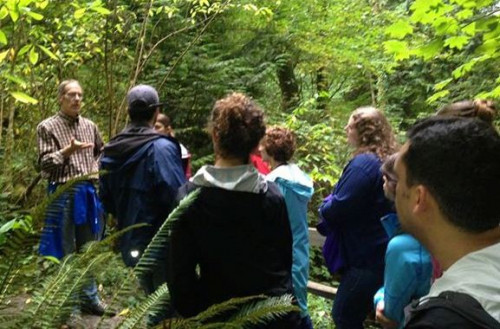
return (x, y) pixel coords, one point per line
(458, 160)
(139, 111)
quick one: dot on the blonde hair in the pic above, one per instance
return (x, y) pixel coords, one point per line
(374, 132)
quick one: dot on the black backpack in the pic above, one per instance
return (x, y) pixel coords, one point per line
(449, 310)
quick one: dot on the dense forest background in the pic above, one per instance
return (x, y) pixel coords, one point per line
(308, 63)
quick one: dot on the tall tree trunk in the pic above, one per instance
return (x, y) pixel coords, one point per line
(381, 98)
(108, 66)
(322, 89)
(9, 147)
(288, 85)
(372, 89)
(1, 119)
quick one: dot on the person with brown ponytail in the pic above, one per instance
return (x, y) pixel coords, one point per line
(350, 218)
(480, 108)
(237, 230)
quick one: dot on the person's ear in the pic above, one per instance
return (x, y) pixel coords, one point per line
(156, 114)
(215, 136)
(422, 199)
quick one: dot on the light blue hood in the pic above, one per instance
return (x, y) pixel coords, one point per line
(297, 188)
(294, 179)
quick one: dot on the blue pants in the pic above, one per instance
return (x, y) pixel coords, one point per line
(354, 299)
(306, 323)
(61, 236)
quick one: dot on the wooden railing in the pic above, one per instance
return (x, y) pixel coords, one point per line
(317, 240)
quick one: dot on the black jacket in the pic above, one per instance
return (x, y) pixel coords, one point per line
(242, 243)
(449, 310)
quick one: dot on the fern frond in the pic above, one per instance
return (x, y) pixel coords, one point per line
(17, 247)
(159, 297)
(262, 312)
(158, 244)
(59, 293)
(231, 304)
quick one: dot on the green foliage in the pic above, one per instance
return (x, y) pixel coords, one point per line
(320, 310)
(454, 31)
(408, 58)
(150, 305)
(55, 297)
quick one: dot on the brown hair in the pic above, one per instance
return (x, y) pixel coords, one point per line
(389, 171)
(163, 119)
(374, 132)
(480, 108)
(237, 124)
(279, 143)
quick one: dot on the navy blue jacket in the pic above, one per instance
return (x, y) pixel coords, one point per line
(143, 173)
(354, 209)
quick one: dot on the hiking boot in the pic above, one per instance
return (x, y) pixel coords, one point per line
(96, 308)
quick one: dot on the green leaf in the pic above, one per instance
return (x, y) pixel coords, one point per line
(15, 79)
(14, 14)
(470, 29)
(42, 4)
(495, 93)
(464, 14)
(24, 49)
(431, 49)
(469, 4)
(483, 3)
(48, 52)
(437, 96)
(7, 226)
(487, 24)
(398, 48)
(423, 17)
(489, 47)
(442, 84)
(24, 3)
(33, 57)
(3, 38)
(23, 98)
(79, 13)
(35, 16)
(399, 29)
(424, 5)
(467, 67)
(4, 54)
(101, 10)
(52, 259)
(445, 25)
(457, 42)
(3, 12)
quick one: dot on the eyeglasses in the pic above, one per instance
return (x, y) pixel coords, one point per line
(73, 95)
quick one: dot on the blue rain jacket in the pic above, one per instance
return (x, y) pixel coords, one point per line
(408, 271)
(297, 188)
(143, 173)
(86, 210)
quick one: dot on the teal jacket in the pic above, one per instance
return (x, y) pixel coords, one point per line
(408, 271)
(297, 188)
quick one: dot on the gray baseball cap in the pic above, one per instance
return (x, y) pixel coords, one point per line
(143, 96)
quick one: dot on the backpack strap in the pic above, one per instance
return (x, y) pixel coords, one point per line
(463, 305)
